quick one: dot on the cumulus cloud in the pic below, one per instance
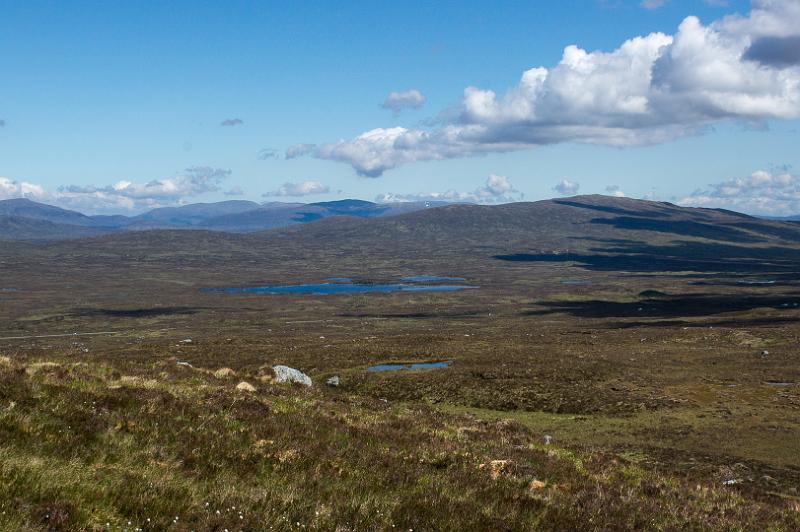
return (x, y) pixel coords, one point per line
(230, 122)
(123, 195)
(651, 89)
(614, 190)
(498, 189)
(19, 189)
(298, 150)
(398, 101)
(304, 188)
(565, 187)
(653, 4)
(762, 192)
(780, 52)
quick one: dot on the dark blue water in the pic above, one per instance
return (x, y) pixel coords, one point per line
(576, 282)
(341, 288)
(399, 367)
(429, 278)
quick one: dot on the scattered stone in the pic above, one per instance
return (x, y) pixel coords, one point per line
(187, 341)
(536, 485)
(333, 381)
(245, 387)
(287, 374)
(288, 456)
(548, 439)
(186, 364)
(224, 373)
(731, 482)
(764, 353)
(498, 468)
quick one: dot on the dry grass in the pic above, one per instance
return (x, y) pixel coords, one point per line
(82, 447)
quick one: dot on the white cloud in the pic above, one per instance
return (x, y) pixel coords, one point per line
(123, 195)
(304, 188)
(398, 101)
(762, 192)
(498, 189)
(653, 4)
(19, 189)
(614, 190)
(651, 89)
(565, 187)
(298, 150)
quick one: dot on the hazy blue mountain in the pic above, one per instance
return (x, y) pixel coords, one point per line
(25, 208)
(193, 214)
(234, 216)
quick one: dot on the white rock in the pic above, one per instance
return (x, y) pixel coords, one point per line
(224, 373)
(287, 374)
(245, 387)
(333, 381)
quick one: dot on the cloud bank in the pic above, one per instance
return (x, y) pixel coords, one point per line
(498, 189)
(298, 150)
(652, 89)
(762, 192)
(565, 187)
(652, 4)
(123, 195)
(614, 190)
(399, 101)
(304, 188)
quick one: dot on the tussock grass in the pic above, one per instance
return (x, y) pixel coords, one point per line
(82, 447)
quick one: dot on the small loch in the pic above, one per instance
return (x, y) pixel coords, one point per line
(409, 367)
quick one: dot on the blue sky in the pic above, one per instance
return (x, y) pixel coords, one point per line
(118, 106)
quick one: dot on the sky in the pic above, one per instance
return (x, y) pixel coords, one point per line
(118, 107)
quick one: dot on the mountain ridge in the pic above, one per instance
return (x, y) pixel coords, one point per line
(235, 216)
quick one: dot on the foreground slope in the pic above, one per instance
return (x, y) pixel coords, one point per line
(172, 447)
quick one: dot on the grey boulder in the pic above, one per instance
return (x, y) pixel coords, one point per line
(287, 374)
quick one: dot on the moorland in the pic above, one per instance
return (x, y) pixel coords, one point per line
(623, 364)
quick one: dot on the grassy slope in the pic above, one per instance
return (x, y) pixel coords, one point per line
(83, 446)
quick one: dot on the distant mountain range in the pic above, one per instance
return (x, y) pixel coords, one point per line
(598, 233)
(555, 223)
(23, 219)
